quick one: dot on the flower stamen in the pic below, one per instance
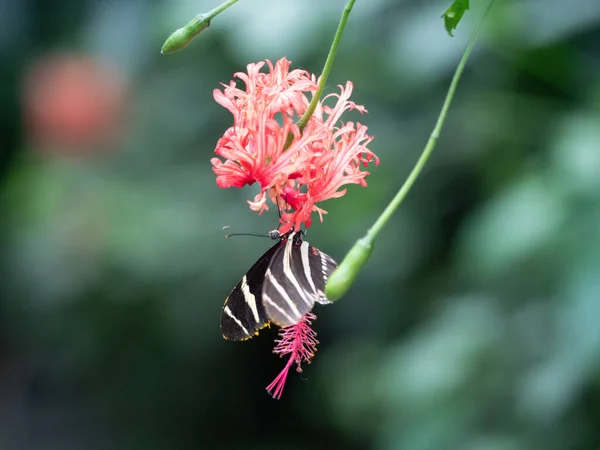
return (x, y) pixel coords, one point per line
(300, 342)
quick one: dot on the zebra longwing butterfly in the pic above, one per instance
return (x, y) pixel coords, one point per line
(281, 287)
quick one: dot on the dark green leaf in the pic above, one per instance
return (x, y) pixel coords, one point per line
(454, 14)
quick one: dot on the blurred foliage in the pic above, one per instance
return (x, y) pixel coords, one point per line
(473, 327)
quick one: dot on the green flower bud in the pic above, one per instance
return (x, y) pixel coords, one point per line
(342, 278)
(180, 38)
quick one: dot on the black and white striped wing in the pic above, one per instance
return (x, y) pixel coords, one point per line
(321, 266)
(295, 280)
(243, 313)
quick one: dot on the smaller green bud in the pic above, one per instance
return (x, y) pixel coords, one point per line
(342, 278)
(180, 38)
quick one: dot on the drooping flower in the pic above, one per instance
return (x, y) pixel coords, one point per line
(300, 343)
(296, 175)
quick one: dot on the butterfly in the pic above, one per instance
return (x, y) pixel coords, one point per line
(280, 288)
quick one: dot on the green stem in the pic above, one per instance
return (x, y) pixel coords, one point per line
(219, 9)
(327, 67)
(343, 277)
(435, 134)
(180, 38)
(325, 74)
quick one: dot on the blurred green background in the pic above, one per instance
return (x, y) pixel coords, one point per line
(475, 325)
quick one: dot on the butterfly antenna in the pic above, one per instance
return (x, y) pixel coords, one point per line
(273, 234)
(244, 233)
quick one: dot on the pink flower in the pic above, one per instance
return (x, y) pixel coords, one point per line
(327, 155)
(300, 342)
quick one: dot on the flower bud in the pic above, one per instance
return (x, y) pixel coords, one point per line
(180, 38)
(342, 278)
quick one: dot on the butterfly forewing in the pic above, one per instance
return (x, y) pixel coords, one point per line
(295, 280)
(243, 313)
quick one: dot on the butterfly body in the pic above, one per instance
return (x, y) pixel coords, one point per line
(281, 287)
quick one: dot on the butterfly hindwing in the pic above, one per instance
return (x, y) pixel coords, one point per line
(243, 313)
(321, 267)
(295, 280)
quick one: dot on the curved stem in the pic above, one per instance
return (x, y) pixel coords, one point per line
(219, 9)
(416, 171)
(342, 278)
(328, 65)
(325, 74)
